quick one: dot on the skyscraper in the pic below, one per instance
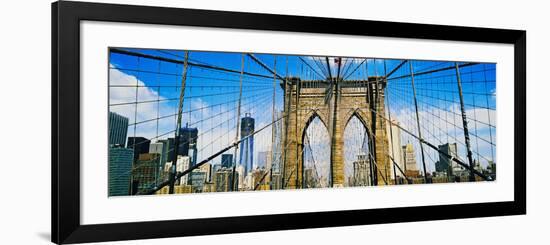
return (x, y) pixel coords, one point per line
(120, 170)
(160, 147)
(410, 160)
(140, 145)
(247, 145)
(118, 129)
(183, 163)
(188, 143)
(395, 150)
(227, 160)
(446, 164)
(120, 158)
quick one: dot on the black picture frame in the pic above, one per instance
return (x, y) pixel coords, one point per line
(66, 18)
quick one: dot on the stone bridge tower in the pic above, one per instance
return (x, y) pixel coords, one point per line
(335, 103)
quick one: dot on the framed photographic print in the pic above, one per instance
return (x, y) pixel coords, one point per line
(176, 122)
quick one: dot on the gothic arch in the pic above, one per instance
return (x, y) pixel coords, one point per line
(356, 142)
(307, 180)
(361, 114)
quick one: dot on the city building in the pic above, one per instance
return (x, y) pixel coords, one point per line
(276, 162)
(240, 177)
(264, 160)
(207, 169)
(248, 182)
(188, 143)
(227, 160)
(120, 170)
(209, 187)
(361, 171)
(247, 144)
(215, 168)
(395, 149)
(160, 147)
(223, 180)
(145, 172)
(118, 129)
(261, 161)
(409, 157)
(140, 145)
(445, 163)
(197, 178)
(182, 164)
(170, 150)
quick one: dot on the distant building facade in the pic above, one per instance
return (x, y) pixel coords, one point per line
(261, 162)
(118, 129)
(395, 149)
(227, 160)
(120, 170)
(446, 153)
(223, 180)
(145, 173)
(409, 158)
(188, 143)
(140, 145)
(207, 169)
(197, 179)
(160, 147)
(361, 171)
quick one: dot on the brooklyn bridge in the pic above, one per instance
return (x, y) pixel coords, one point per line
(195, 121)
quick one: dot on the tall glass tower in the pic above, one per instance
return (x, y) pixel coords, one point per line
(120, 170)
(118, 128)
(247, 145)
(188, 143)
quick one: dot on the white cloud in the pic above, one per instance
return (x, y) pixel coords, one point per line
(145, 111)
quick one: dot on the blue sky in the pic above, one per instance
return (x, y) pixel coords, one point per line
(211, 96)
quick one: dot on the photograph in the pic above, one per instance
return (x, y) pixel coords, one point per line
(275, 123)
(199, 121)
